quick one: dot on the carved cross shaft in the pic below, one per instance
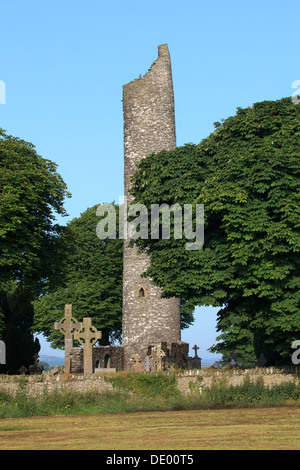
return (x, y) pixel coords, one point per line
(68, 325)
(88, 335)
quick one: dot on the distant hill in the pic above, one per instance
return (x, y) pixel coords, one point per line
(60, 361)
(211, 360)
(206, 363)
(52, 360)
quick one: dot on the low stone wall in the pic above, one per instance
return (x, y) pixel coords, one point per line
(37, 385)
(207, 377)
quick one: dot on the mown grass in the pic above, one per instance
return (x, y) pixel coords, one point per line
(134, 392)
(276, 428)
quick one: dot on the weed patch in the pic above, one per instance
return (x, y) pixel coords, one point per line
(147, 384)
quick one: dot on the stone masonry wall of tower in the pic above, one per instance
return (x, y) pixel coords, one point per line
(149, 126)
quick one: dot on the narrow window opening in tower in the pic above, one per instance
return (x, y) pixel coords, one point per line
(141, 292)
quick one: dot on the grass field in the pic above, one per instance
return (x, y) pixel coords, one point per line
(258, 428)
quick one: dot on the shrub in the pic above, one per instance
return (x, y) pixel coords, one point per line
(150, 384)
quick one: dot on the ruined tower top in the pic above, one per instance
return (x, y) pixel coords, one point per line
(149, 115)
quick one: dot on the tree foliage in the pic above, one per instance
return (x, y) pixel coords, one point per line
(31, 194)
(92, 282)
(246, 174)
(15, 329)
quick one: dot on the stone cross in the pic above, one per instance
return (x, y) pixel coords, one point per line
(157, 356)
(234, 357)
(68, 325)
(88, 335)
(196, 349)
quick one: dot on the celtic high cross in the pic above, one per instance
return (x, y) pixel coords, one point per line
(88, 335)
(68, 325)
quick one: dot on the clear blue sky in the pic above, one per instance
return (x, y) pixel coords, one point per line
(64, 64)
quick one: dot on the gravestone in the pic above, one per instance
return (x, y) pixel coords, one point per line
(216, 365)
(36, 368)
(195, 362)
(23, 370)
(234, 357)
(106, 370)
(158, 357)
(88, 335)
(148, 364)
(136, 364)
(262, 361)
(68, 325)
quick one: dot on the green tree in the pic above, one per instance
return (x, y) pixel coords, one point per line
(31, 193)
(246, 174)
(17, 312)
(92, 282)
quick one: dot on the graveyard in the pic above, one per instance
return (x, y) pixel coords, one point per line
(151, 355)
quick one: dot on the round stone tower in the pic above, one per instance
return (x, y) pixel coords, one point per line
(149, 126)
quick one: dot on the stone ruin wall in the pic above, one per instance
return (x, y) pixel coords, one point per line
(112, 357)
(103, 357)
(149, 126)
